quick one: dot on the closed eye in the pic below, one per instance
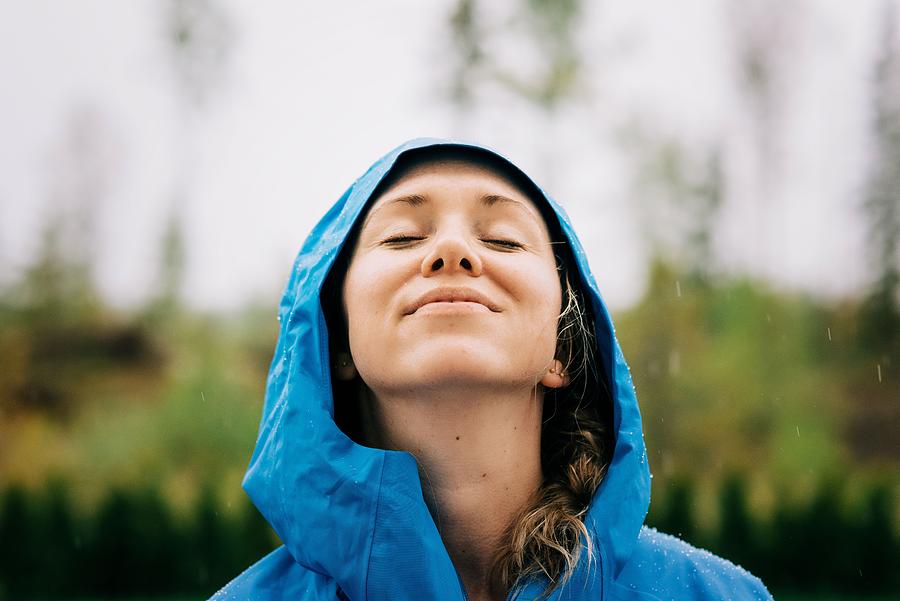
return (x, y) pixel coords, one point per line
(401, 240)
(398, 240)
(510, 244)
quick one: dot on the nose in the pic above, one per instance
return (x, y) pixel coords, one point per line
(450, 253)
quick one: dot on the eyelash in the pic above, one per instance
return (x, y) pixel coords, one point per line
(508, 244)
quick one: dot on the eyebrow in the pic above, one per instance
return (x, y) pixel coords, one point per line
(417, 200)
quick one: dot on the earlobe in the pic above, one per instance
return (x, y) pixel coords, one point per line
(555, 377)
(344, 368)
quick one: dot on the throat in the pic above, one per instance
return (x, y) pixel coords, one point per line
(480, 467)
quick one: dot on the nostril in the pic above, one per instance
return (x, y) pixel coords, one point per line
(437, 264)
(465, 263)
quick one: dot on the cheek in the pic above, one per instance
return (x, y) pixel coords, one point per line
(538, 283)
(535, 285)
(361, 280)
(534, 335)
(357, 292)
(368, 288)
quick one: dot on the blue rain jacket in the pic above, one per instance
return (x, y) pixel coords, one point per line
(353, 519)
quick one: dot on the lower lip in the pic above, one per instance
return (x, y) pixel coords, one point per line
(455, 308)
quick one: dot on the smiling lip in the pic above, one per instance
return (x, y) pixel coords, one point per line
(445, 295)
(454, 308)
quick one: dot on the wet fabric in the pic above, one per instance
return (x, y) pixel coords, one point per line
(353, 519)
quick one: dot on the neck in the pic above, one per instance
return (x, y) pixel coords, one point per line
(479, 462)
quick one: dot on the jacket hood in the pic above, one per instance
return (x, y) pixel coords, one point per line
(358, 514)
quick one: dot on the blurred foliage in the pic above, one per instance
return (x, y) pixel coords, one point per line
(551, 77)
(201, 38)
(766, 415)
(778, 384)
(880, 320)
(133, 544)
(160, 396)
(828, 543)
(678, 195)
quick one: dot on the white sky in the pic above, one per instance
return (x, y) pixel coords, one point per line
(315, 92)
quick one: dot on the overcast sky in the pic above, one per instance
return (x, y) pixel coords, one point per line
(314, 92)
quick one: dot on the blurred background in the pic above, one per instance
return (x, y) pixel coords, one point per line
(732, 168)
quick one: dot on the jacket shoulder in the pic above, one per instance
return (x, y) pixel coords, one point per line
(278, 577)
(664, 567)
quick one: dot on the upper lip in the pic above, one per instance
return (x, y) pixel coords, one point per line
(451, 295)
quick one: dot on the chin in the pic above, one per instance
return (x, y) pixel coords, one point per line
(449, 366)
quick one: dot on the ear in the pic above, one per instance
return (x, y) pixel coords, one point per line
(555, 377)
(344, 368)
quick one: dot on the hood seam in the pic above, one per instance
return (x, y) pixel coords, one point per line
(324, 353)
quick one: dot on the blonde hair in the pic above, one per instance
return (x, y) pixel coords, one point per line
(547, 538)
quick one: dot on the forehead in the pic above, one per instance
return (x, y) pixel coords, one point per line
(463, 178)
(449, 171)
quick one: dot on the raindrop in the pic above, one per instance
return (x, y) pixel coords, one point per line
(878, 368)
(678, 288)
(798, 431)
(829, 334)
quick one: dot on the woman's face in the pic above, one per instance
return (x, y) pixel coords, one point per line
(452, 283)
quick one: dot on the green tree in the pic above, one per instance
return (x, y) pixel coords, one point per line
(877, 553)
(213, 543)
(19, 555)
(167, 301)
(58, 536)
(115, 548)
(681, 193)
(880, 318)
(255, 537)
(550, 26)
(825, 526)
(738, 534)
(677, 516)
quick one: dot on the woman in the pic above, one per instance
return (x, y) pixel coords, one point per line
(448, 413)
